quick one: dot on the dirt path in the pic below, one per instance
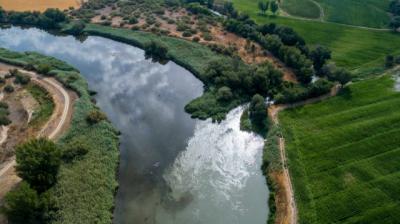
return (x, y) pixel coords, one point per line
(58, 122)
(288, 213)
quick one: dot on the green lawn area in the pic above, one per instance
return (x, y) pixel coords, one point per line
(344, 155)
(353, 48)
(369, 13)
(301, 8)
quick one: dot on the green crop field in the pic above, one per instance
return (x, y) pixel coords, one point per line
(344, 155)
(301, 8)
(369, 13)
(353, 48)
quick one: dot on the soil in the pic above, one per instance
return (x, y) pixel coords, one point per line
(38, 5)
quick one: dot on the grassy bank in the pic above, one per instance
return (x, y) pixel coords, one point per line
(85, 189)
(353, 48)
(343, 155)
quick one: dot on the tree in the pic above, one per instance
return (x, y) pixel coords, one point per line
(38, 162)
(76, 28)
(389, 61)
(341, 75)
(43, 69)
(263, 6)
(95, 116)
(258, 112)
(395, 23)
(55, 14)
(274, 7)
(224, 94)
(22, 205)
(156, 50)
(319, 55)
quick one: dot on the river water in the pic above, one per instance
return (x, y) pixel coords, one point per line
(173, 169)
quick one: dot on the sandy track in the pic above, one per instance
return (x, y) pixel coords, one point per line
(288, 213)
(54, 127)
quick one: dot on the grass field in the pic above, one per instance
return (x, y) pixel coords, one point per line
(301, 8)
(344, 155)
(353, 48)
(369, 13)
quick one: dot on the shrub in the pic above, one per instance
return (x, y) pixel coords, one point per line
(22, 205)
(196, 39)
(156, 50)
(8, 89)
(3, 105)
(207, 36)
(4, 120)
(224, 94)
(22, 79)
(341, 75)
(75, 150)
(258, 113)
(187, 33)
(38, 162)
(133, 20)
(76, 28)
(95, 116)
(43, 69)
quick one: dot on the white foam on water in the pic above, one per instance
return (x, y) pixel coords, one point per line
(218, 176)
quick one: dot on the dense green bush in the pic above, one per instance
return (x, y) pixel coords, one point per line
(75, 149)
(258, 114)
(22, 79)
(22, 205)
(43, 69)
(95, 116)
(76, 28)
(38, 162)
(156, 50)
(8, 89)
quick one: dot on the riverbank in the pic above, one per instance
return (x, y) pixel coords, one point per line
(90, 182)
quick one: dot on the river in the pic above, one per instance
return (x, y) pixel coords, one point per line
(173, 169)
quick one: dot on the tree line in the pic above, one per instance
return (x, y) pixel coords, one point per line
(49, 19)
(394, 10)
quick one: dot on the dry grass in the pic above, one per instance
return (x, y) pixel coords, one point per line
(38, 5)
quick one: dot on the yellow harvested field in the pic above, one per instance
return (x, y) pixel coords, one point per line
(38, 5)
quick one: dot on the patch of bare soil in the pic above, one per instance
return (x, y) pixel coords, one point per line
(38, 5)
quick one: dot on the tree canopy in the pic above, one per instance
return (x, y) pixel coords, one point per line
(38, 162)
